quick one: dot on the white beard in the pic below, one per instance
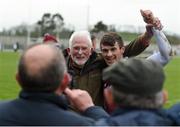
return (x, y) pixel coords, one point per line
(79, 62)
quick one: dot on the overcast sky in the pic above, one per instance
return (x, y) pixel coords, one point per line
(118, 12)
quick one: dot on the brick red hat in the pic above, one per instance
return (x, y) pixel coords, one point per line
(49, 38)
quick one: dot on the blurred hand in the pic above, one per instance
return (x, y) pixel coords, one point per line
(149, 18)
(157, 24)
(80, 99)
(108, 96)
(149, 32)
(165, 95)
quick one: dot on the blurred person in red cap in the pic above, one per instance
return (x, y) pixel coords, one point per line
(49, 38)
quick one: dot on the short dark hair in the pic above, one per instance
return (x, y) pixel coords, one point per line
(48, 78)
(111, 38)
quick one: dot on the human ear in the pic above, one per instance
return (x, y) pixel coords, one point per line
(122, 49)
(165, 96)
(18, 79)
(68, 51)
(65, 81)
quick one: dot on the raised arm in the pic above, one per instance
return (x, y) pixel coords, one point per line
(137, 46)
(163, 56)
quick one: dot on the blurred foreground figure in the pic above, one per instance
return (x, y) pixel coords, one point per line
(43, 77)
(137, 91)
(174, 113)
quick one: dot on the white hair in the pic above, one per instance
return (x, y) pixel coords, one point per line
(82, 33)
(149, 101)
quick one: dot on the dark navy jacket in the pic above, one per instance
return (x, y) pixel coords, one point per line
(43, 109)
(137, 117)
(174, 114)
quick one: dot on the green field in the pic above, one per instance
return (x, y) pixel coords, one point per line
(172, 83)
(9, 88)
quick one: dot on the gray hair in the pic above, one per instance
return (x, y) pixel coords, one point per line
(132, 100)
(82, 33)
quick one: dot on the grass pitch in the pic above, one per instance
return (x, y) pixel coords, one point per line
(8, 86)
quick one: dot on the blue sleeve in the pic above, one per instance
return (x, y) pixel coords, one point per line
(174, 113)
(164, 54)
(95, 112)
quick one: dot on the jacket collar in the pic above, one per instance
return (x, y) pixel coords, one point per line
(61, 101)
(94, 62)
(124, 110)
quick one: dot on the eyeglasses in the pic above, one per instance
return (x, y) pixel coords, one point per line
(81, 49)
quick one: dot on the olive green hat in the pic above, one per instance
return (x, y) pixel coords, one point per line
(135, 76)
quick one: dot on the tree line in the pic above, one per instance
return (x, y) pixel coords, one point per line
(55, 25)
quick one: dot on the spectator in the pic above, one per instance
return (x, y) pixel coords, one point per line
(1, 47)
(43, 77)
(16, 47)
(94, 41)
(49, 39)
(52, 40)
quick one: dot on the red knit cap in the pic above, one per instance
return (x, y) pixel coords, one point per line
(49, 38)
